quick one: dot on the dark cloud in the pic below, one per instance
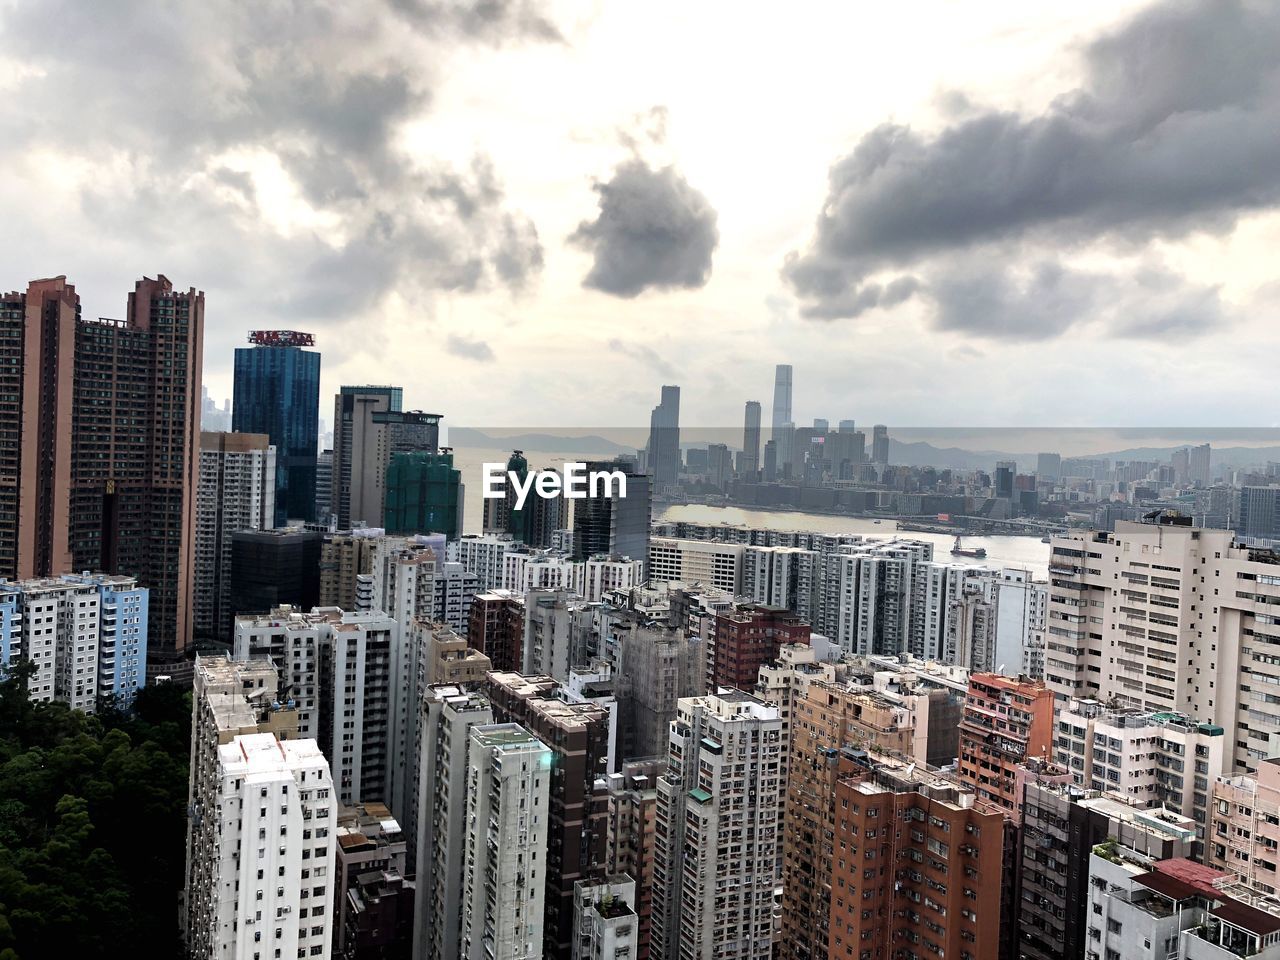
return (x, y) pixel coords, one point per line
(1176, 130)
(654, 231)
(646, 355)
(178, 102)
(468, 348)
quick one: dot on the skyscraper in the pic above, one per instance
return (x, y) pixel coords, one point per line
(237, 491)
(750, 463)
(1006, 470)
(781, 397)
(1049, 466)
(423, 494)
(617, 526)
(879, 443)
(98, 456)
(277, 392)
(664, 439)
(359, 456)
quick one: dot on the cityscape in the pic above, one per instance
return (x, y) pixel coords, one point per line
(458, 560)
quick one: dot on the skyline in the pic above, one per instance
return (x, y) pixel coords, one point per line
(453, 181)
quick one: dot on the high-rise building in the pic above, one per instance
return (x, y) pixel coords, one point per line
(1199, 471)
(88, 483)
(745, 639)
(1049, 466)
(880, 444)
(781, 398)
(273, 568)
(664, 439)
(578, 736)
(1006, 722)
(633, 815)
(750, 461)
(614, 525)
(496, 628)
(717, 835)
(1243, 827)
(1257, 513)
(344, 558)
(277, 392)
(717, 565)
(604, 921)
(85, 635)
(360, 453)
(237, 491)
(423, 494)
(230, 701)
(1189, 614)
(324, 490)
(448, 715)
(509, 777)
(1003, 478)
(373, 894)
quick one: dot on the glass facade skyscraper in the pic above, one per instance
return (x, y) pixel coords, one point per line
(277, 392)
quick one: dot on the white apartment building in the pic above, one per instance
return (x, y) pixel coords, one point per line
(781, 577)
(867, 595)
(448, 714)
(1166, 617)
(482, 555)
(455, 589)
(597, 576)
(717, 839)
(86, 636)
(1151, 759)
(714, 564)
(274, 848)
(508, 790)
(1022, 605)
(235, 490)
(605, 925)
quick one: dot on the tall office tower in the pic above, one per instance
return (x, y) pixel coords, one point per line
(847, 426)
(1006, 722)
(614, 525)
(1156, 759)
(508, 788)
(85, 635)
(237, 491)
(1180, 462)
(821, 427)
(373, 890)
(324, 489)
(604, 922)
(879, 443)
(781, 398)
(1199, 472)
(788, 456)
(1049, 466)
(496, 628)
(927, 871)
(578, 736)
(717, 830)
(1178, 644)
(769, 466)
(745, 639)
(750, 462)
(229, 699)
(664, 439)
(1061, 826)
(1002, 479)
(719, 465)
(92, 484)
(360, 453)
(1257, 513)
(277, 392)
(448, 715)
(633, 817)
(272, 568)
(424, 494)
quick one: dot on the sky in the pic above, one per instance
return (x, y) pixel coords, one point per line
(533, 214)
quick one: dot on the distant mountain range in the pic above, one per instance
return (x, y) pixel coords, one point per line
(540, 442)
(911, 454)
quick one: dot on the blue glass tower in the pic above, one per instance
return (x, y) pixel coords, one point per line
(277, 392)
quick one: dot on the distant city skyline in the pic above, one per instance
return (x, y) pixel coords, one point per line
(539, 146)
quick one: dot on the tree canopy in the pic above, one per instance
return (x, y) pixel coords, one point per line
(92, 824)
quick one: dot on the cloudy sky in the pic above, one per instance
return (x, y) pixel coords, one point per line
(534, 213)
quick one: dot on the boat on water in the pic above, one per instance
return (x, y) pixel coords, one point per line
(960, 550)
